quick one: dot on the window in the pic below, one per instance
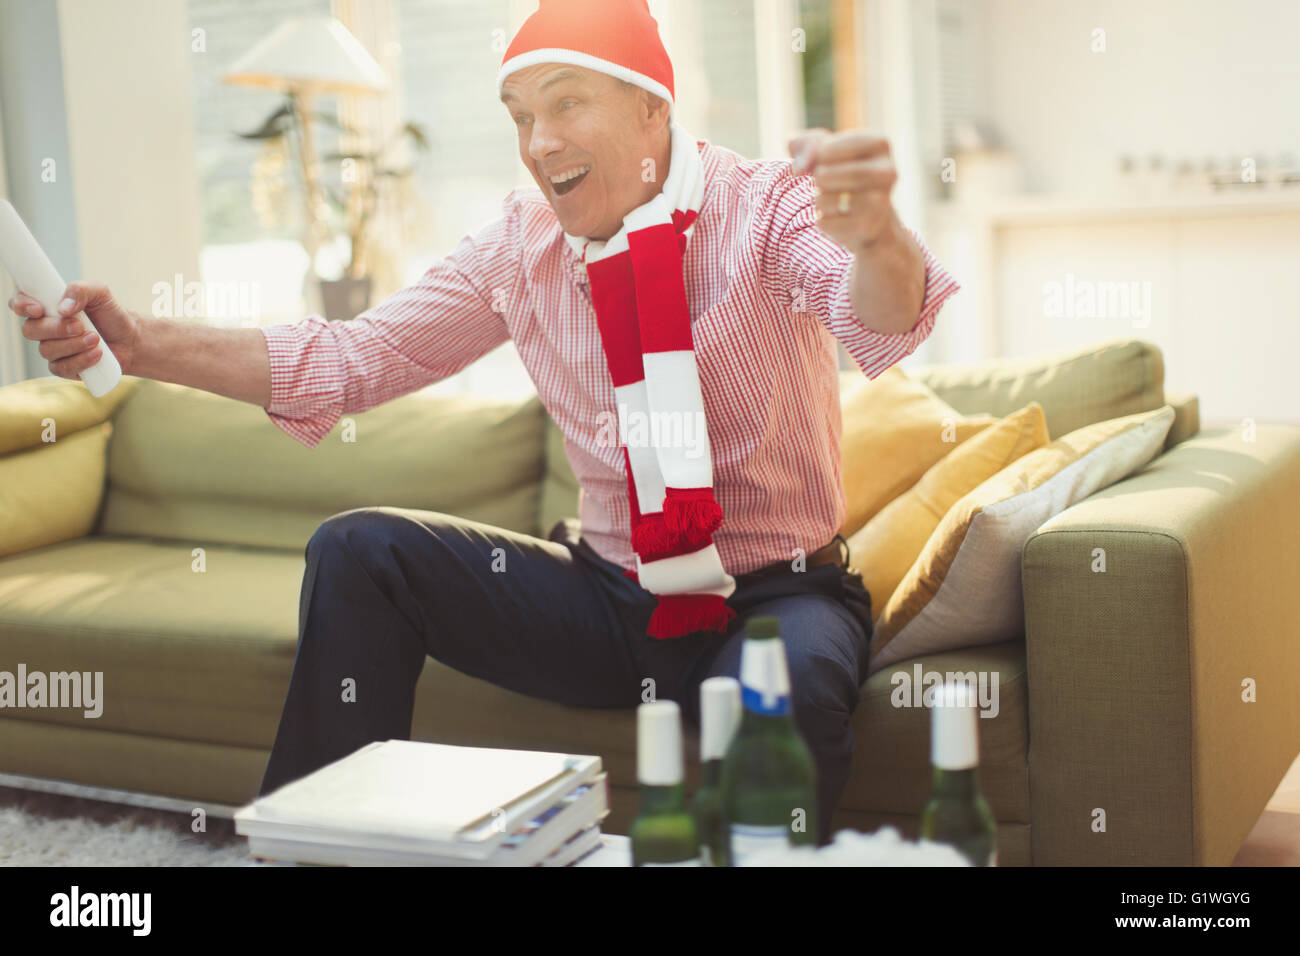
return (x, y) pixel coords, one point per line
(450, 51)
(238, 246)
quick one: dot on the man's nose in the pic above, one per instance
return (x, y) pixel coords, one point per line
(543, 142)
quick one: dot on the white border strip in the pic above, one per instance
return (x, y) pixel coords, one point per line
(574, 58)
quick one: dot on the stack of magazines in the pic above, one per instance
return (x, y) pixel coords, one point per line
(404, 803)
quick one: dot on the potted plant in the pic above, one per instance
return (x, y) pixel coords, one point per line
(365, 180)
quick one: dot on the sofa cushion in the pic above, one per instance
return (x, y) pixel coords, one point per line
(28, 404)
(192, 466)
(1187, 417)
(202, 659)
(1108, 380)
(891, 770)
(52, 492)
(894, 429)
(185, 653)
(964, 589)
(891, 761)
(885, 548)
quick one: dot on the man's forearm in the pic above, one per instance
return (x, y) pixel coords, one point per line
(888, 282)
(230, 362)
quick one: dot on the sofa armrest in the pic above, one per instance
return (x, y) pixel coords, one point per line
(1137, 672)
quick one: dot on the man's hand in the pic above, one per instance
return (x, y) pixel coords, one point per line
(67, 343)
(854, 174)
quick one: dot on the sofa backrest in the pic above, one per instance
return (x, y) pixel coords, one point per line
(188, 465)
(1109, 380)
(1104, 381)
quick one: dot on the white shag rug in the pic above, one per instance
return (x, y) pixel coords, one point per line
(27, 839)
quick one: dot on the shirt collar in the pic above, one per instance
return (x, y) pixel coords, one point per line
(578, 270)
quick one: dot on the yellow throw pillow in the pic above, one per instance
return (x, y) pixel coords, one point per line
(895, 428)
(52, 493)
(887, 546)
(964, 588)
(68, 403)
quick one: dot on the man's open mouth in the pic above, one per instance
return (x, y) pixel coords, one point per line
(567, 182)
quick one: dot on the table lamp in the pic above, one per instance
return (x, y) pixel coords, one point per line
(304, 57)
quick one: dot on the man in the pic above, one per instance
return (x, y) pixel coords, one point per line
(649, 278)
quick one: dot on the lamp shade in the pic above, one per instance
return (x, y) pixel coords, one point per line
(316, 54)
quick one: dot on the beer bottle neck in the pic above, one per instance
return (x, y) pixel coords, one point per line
(711, 774)
(954, 784)
(754, 722)
(660, 798)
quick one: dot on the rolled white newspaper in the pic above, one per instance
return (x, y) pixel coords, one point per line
(35, 275)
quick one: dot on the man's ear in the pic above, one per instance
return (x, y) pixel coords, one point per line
(654, 110)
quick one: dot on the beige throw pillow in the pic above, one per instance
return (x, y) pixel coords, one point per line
(964, 588)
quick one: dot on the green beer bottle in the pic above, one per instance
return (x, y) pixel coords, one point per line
(719, 715)
(769, 782)
(663, 833)
(957, 813)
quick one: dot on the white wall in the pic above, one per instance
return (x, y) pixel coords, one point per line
(1192, 79)
(1181, 78)
(12, 364)
(1223, 301)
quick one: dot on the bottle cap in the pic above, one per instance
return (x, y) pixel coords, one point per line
(954, 731)
(719, 715)
(659, 744)
(761, 626)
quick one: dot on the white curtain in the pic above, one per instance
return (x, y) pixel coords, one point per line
(12, 365)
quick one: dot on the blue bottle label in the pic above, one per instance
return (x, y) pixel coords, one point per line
(771, 705)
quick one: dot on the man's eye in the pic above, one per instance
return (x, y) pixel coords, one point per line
(567, 103)
(520, 120)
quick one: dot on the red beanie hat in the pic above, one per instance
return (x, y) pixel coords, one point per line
(618, 37)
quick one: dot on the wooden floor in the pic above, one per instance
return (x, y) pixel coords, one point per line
(1275, 841)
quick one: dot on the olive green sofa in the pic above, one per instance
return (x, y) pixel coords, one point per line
(175, 571)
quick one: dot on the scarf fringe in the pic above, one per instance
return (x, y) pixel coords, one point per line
(651, 538)
(680, 614)
(691, 518)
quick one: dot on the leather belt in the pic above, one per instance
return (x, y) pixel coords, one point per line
(836, 551)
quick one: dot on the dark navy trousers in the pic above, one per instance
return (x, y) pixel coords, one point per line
(386, 587)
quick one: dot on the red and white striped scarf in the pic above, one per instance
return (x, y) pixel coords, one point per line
(645, 328)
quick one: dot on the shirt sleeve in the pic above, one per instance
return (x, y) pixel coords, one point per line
(808, 271)
(322, 370)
